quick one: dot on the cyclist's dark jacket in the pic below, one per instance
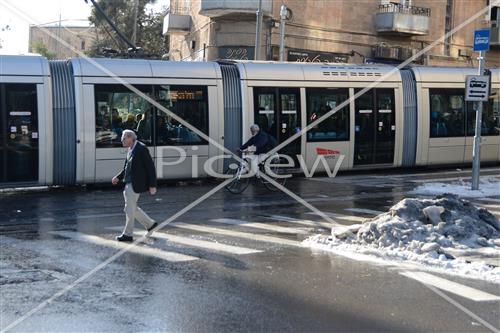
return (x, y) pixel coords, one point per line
(261, 141)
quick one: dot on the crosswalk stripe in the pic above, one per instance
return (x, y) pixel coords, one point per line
(363, 210)
(489, 206)
(341, 216)
(489, 199)
(308, 223)
(446, 179)
(199, 243)
(440, 172)
(138, 249)
(450, 286)
(94, 216)
(260, 226)
(255, 237)
(204, 244)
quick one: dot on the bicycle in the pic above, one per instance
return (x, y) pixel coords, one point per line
(241, 173)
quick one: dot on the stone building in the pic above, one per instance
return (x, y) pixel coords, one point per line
(79, 37)
(354, 31)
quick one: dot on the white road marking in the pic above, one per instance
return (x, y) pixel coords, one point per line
(138, 249)
(363, 210)
(210, 245)
(219, 247)
(261, 226)
(437, 173)
(447, 179)
(262, 238)
(342, 216)
(308, 223)
(98, 215)
(488, 206)
(450, 286)
(488, 199)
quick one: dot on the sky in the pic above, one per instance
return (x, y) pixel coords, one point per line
(14, 39)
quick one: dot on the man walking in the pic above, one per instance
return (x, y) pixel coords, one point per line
(139, 176)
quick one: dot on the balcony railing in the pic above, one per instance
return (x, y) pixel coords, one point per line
(403, 19)
(404, 9)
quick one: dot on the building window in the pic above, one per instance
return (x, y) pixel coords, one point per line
(118, 108)
(189, 103)
(321, 101)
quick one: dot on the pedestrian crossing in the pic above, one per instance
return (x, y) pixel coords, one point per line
(225, 235)
(391, 181)
(263, 226)
(141, 249)
(286, 233)
(198, 243)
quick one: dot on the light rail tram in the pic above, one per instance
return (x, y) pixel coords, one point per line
(61, 121)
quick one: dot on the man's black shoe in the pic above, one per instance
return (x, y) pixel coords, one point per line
(124, 238)
(152, 227)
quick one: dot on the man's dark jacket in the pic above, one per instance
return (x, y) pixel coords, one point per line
(143, 169)
(262, 142)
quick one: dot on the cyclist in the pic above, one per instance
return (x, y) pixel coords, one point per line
(263, 143)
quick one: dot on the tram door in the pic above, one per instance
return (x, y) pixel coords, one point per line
(277, 112)
(18, 133)
(374, 127)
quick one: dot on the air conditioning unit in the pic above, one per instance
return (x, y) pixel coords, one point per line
(385, 52)
(466, 53)
(405, 53)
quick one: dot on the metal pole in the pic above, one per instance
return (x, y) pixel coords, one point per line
(476, 151)
(282, 32)
(258, 32)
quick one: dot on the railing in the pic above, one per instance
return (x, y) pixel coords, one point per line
(404, 9)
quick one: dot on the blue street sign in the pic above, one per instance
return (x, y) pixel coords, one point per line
(482, 40)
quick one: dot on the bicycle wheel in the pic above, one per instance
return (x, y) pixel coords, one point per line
(275, 171)
(239, 183)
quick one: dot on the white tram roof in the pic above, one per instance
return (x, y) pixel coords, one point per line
(100, 67)
(23, 65)
(449, 74)
(316, 72)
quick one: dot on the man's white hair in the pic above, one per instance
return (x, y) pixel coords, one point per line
(255, 127)
(129, 133)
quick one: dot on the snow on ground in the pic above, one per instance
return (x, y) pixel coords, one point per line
(427, 232)
(487, 187)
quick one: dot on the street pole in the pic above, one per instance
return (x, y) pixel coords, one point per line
(258, 32)
(283, 12)
(476, 151)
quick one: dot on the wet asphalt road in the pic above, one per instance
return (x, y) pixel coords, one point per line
(51, 238)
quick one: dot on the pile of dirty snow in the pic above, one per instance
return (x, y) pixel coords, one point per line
(429, 231)
(488, 187)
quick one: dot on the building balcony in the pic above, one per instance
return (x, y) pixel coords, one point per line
(401, 19)
(176, 24)
(217, 8)
(495, 34)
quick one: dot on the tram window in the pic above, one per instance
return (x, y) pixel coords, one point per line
(118, 108)
(319, 102)
(266, 117)
(189, 103)
(447, 113)
(490, 120)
